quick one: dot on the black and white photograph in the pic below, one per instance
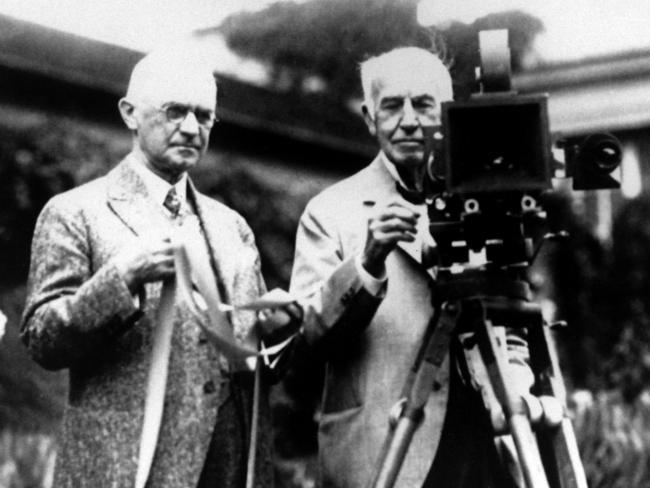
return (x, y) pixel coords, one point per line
(324, 244)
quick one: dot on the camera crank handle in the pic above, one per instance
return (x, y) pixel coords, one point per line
(549, 237)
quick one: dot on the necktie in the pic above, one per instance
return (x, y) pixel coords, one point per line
(412, 196)
(172, 202)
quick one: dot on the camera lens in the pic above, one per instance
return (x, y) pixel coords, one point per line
(609, 157)
(603, 151)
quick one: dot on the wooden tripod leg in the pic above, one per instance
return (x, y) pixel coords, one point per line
(494, 355)
(417, 390)
(558, 443)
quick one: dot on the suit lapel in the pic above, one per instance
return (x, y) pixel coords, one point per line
(127, 196)
(218, 243)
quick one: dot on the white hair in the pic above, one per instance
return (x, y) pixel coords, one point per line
(406, 60)
(164, 70)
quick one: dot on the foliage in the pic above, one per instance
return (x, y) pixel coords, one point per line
(35, 164)
(573, 268)
(628, 302)
(613, 438)
(26, 460)
(328, 39)
(325, 38)
(272, 216)
(31, 399)
(603, 295)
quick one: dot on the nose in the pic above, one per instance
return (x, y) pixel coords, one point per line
(189, 125)
(409, 118)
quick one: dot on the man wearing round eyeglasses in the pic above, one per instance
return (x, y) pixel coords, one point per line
(101, 255)
(171, 118)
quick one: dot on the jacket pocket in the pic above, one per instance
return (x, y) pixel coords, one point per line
(340, 444)
(344, 386)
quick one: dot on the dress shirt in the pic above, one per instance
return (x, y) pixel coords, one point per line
(158, 187)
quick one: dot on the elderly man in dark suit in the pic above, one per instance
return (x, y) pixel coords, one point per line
(359, 260)
(100, 256)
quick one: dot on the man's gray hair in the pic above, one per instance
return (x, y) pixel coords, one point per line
(407, 60)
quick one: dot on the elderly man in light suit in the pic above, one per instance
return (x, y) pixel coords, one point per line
(100, 254)
(359, 260)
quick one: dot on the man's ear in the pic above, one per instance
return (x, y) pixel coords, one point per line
(127, 111)
(369, 119)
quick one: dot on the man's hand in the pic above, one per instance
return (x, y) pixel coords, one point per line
(279, 323)
(147, 261)
(389, 225)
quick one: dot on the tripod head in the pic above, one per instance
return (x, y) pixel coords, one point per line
(492, 162)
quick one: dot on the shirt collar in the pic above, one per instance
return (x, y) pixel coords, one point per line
(156, 186)
(391, 168)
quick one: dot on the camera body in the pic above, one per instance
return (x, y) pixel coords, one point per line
(497, 143)
(493, 162)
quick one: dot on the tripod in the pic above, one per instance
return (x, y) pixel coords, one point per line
(492, 160)
(484, 305)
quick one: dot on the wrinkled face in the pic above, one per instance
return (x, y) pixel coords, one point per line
(173, 121)
(406, 111)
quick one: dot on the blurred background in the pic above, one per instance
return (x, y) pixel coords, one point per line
(290, 125)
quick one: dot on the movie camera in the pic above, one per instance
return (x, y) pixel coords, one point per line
(494, 160)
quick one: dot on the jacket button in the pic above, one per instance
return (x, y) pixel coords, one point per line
(208, 387)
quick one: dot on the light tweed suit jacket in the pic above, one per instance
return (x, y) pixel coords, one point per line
(366, 367)
(80, 315)
(369, 343)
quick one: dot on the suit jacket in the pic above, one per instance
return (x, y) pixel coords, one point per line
(80, 315)
(369, 343)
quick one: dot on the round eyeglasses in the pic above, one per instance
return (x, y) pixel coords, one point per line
(176, 113)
